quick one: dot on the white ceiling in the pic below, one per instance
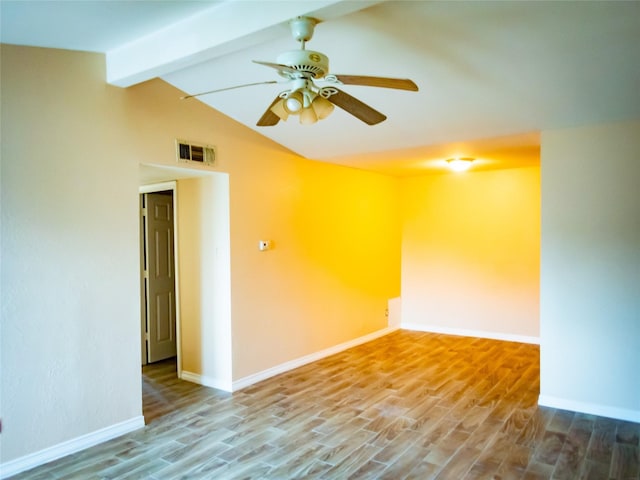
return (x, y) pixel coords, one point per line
(491, 75)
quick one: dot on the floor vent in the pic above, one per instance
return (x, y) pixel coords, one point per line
(191, 152)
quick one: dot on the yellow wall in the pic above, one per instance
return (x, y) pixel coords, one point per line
(471, 252)
(71, 149)
(335, 231)
(334, 264)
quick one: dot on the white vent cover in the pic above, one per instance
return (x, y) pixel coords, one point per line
(191, 152)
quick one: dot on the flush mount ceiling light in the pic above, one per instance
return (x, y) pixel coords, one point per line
(460, 164)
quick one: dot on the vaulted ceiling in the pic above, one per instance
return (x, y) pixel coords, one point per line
(491, 75)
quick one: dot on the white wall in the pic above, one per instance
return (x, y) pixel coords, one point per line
(590, 270)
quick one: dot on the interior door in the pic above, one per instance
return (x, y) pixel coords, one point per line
(159, 276)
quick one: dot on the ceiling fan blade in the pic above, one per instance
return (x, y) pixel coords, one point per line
(277, 66)
(398, 83)
(356, 108)
(268, 118)
(228, 88)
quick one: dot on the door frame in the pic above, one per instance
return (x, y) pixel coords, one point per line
(163, 187)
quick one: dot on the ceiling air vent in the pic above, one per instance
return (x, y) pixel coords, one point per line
(191, 152)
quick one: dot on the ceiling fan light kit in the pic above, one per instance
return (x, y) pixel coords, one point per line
(295, 102)
(322, 107)
(312, 102)
(305, 100)
(308, 116)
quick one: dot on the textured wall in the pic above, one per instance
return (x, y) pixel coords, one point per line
(471, 252)
(590, 269)
(71, 150)
(204, 283)
(70, 291)
(335, 260)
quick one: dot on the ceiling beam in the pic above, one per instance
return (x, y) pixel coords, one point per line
(222, 29)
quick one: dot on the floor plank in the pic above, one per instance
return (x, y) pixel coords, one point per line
(410, 405)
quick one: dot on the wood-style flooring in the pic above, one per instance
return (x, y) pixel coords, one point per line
(409, 405)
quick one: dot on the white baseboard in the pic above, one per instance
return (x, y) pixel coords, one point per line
(298, 362)
(63, 449)
(590, 408)
(462, 332)
(206, 381)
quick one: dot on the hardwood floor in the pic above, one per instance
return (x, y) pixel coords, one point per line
(409, 405)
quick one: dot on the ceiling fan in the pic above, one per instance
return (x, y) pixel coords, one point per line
(307, 99)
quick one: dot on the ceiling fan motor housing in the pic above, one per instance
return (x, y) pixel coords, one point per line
(315, 64)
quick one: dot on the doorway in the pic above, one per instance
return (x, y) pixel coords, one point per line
(159, 304)
(202, 271)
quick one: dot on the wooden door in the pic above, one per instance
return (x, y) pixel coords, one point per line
(159, 276)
